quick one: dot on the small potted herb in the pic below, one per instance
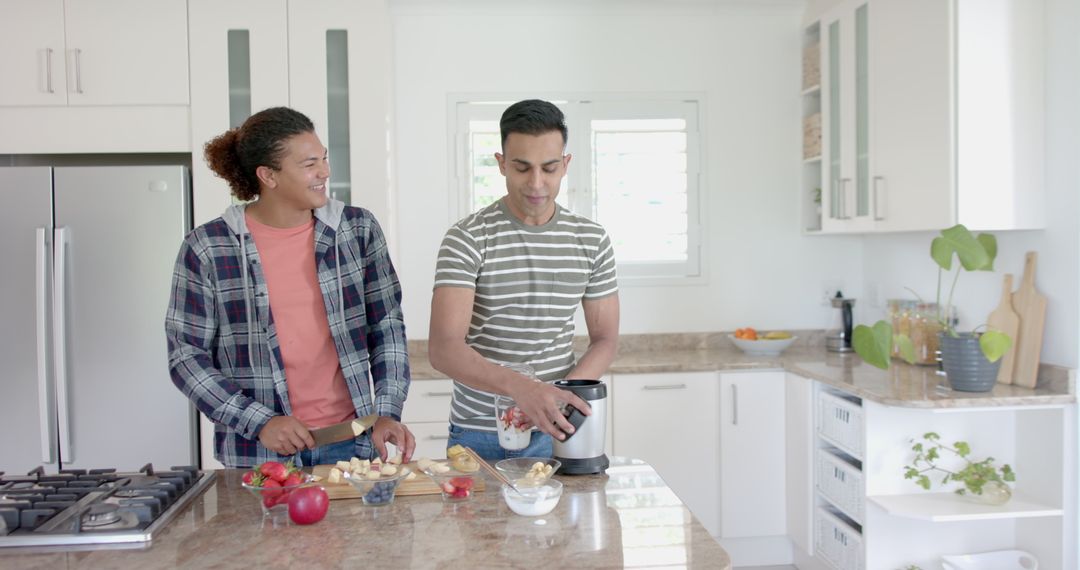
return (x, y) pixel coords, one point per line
(982, 479)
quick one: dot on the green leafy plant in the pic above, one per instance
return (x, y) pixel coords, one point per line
(974, 475)
(975, 253)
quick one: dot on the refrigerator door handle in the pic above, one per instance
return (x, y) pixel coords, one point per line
(45, 406)
(59, 344)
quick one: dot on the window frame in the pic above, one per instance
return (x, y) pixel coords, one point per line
(580, 195)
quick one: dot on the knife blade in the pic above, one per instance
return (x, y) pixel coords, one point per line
(343, 431)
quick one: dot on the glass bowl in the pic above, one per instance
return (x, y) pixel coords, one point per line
(377, 492)
(454, 485)
(524, 470)
(275, 500)
(762, 346)
(533, 501)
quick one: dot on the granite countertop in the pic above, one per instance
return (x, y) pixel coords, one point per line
(627, 517)
(902, 385)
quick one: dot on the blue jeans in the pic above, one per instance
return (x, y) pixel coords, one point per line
(326, 455)
(486, 444)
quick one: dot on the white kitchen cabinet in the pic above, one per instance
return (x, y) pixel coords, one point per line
(329, 59)
(923, 134)
(845, 103)
(753, 503)
(427, 414)
(799, 463)
(93, 52)
(86, 76)
(670, 421)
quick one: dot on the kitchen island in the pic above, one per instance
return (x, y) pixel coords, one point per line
(627, 517)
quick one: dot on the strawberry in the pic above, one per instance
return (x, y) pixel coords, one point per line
(462, 483)
(252, 478)
(271, 489)
(460, 493)
(274, 470)
(293, 479)
(448, 488)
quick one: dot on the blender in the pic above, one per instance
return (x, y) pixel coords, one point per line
(839, 338)
(582, 452)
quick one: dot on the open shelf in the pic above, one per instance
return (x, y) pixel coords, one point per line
(811, 90)
(812, 159)
(944, 507)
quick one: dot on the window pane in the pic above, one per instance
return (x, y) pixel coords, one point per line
(487, 183)
(239, 57)
(640, 181)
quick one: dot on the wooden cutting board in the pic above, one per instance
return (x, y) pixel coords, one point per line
(421, 485)
(1030, 305)
(1004, 319)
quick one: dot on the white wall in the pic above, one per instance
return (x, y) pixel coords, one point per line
(744, 57)
(892, 262)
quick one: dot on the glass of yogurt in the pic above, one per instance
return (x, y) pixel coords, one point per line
(515, 431)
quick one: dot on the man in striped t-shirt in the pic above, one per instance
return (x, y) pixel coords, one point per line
(508, 281)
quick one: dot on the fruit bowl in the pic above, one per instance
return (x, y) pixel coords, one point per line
(528, 469)
(762, 346)
(274, 500)
(377, 492)
(455, 485)
(533, 501)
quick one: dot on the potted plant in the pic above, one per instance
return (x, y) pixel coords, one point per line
(987, 483)
(970, 359)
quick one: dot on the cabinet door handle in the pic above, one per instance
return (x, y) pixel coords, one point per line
(667, 387)
(734, 405)
(879, 185)
(48, 70)
(438, 437)
(439, 394)
(78, 71)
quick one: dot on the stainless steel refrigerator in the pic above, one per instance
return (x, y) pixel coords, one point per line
(87, 256)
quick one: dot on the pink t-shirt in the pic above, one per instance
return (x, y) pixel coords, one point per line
(317, 390)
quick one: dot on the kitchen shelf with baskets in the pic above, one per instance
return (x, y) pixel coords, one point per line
(839, 481)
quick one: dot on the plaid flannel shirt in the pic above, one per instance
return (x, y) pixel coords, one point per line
(223, 346)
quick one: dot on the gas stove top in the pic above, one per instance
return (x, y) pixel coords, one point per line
(93, 507)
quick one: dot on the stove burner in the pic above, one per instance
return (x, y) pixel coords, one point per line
(100, 514)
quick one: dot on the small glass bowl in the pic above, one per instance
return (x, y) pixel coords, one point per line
(378, 492)
(455, 485)
(533, 501)
(519, 470)
(275, 500)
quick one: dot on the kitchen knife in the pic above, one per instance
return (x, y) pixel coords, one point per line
(343, 431)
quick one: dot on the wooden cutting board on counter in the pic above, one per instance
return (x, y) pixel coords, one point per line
(1030, 305)
(1004, 319)
(421, 485)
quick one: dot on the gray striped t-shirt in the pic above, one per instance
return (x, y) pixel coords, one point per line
(528, 281)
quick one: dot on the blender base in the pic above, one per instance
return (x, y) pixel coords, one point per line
(588, 466)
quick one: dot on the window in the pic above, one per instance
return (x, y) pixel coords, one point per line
(635, 170)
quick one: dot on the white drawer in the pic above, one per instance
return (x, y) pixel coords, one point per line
(837, 542)
(840, 421)
(431, 438)
(841, 483)
(428, 401)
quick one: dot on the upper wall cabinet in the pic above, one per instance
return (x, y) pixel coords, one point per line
(93, 52)
(82, 76)
(923, 134)
(329, 59)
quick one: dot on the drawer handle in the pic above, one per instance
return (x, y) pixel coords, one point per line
(48, 70)
(439, 394)
(438, 437)
(667, 387)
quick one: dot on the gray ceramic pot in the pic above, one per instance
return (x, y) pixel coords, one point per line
(965, 365)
